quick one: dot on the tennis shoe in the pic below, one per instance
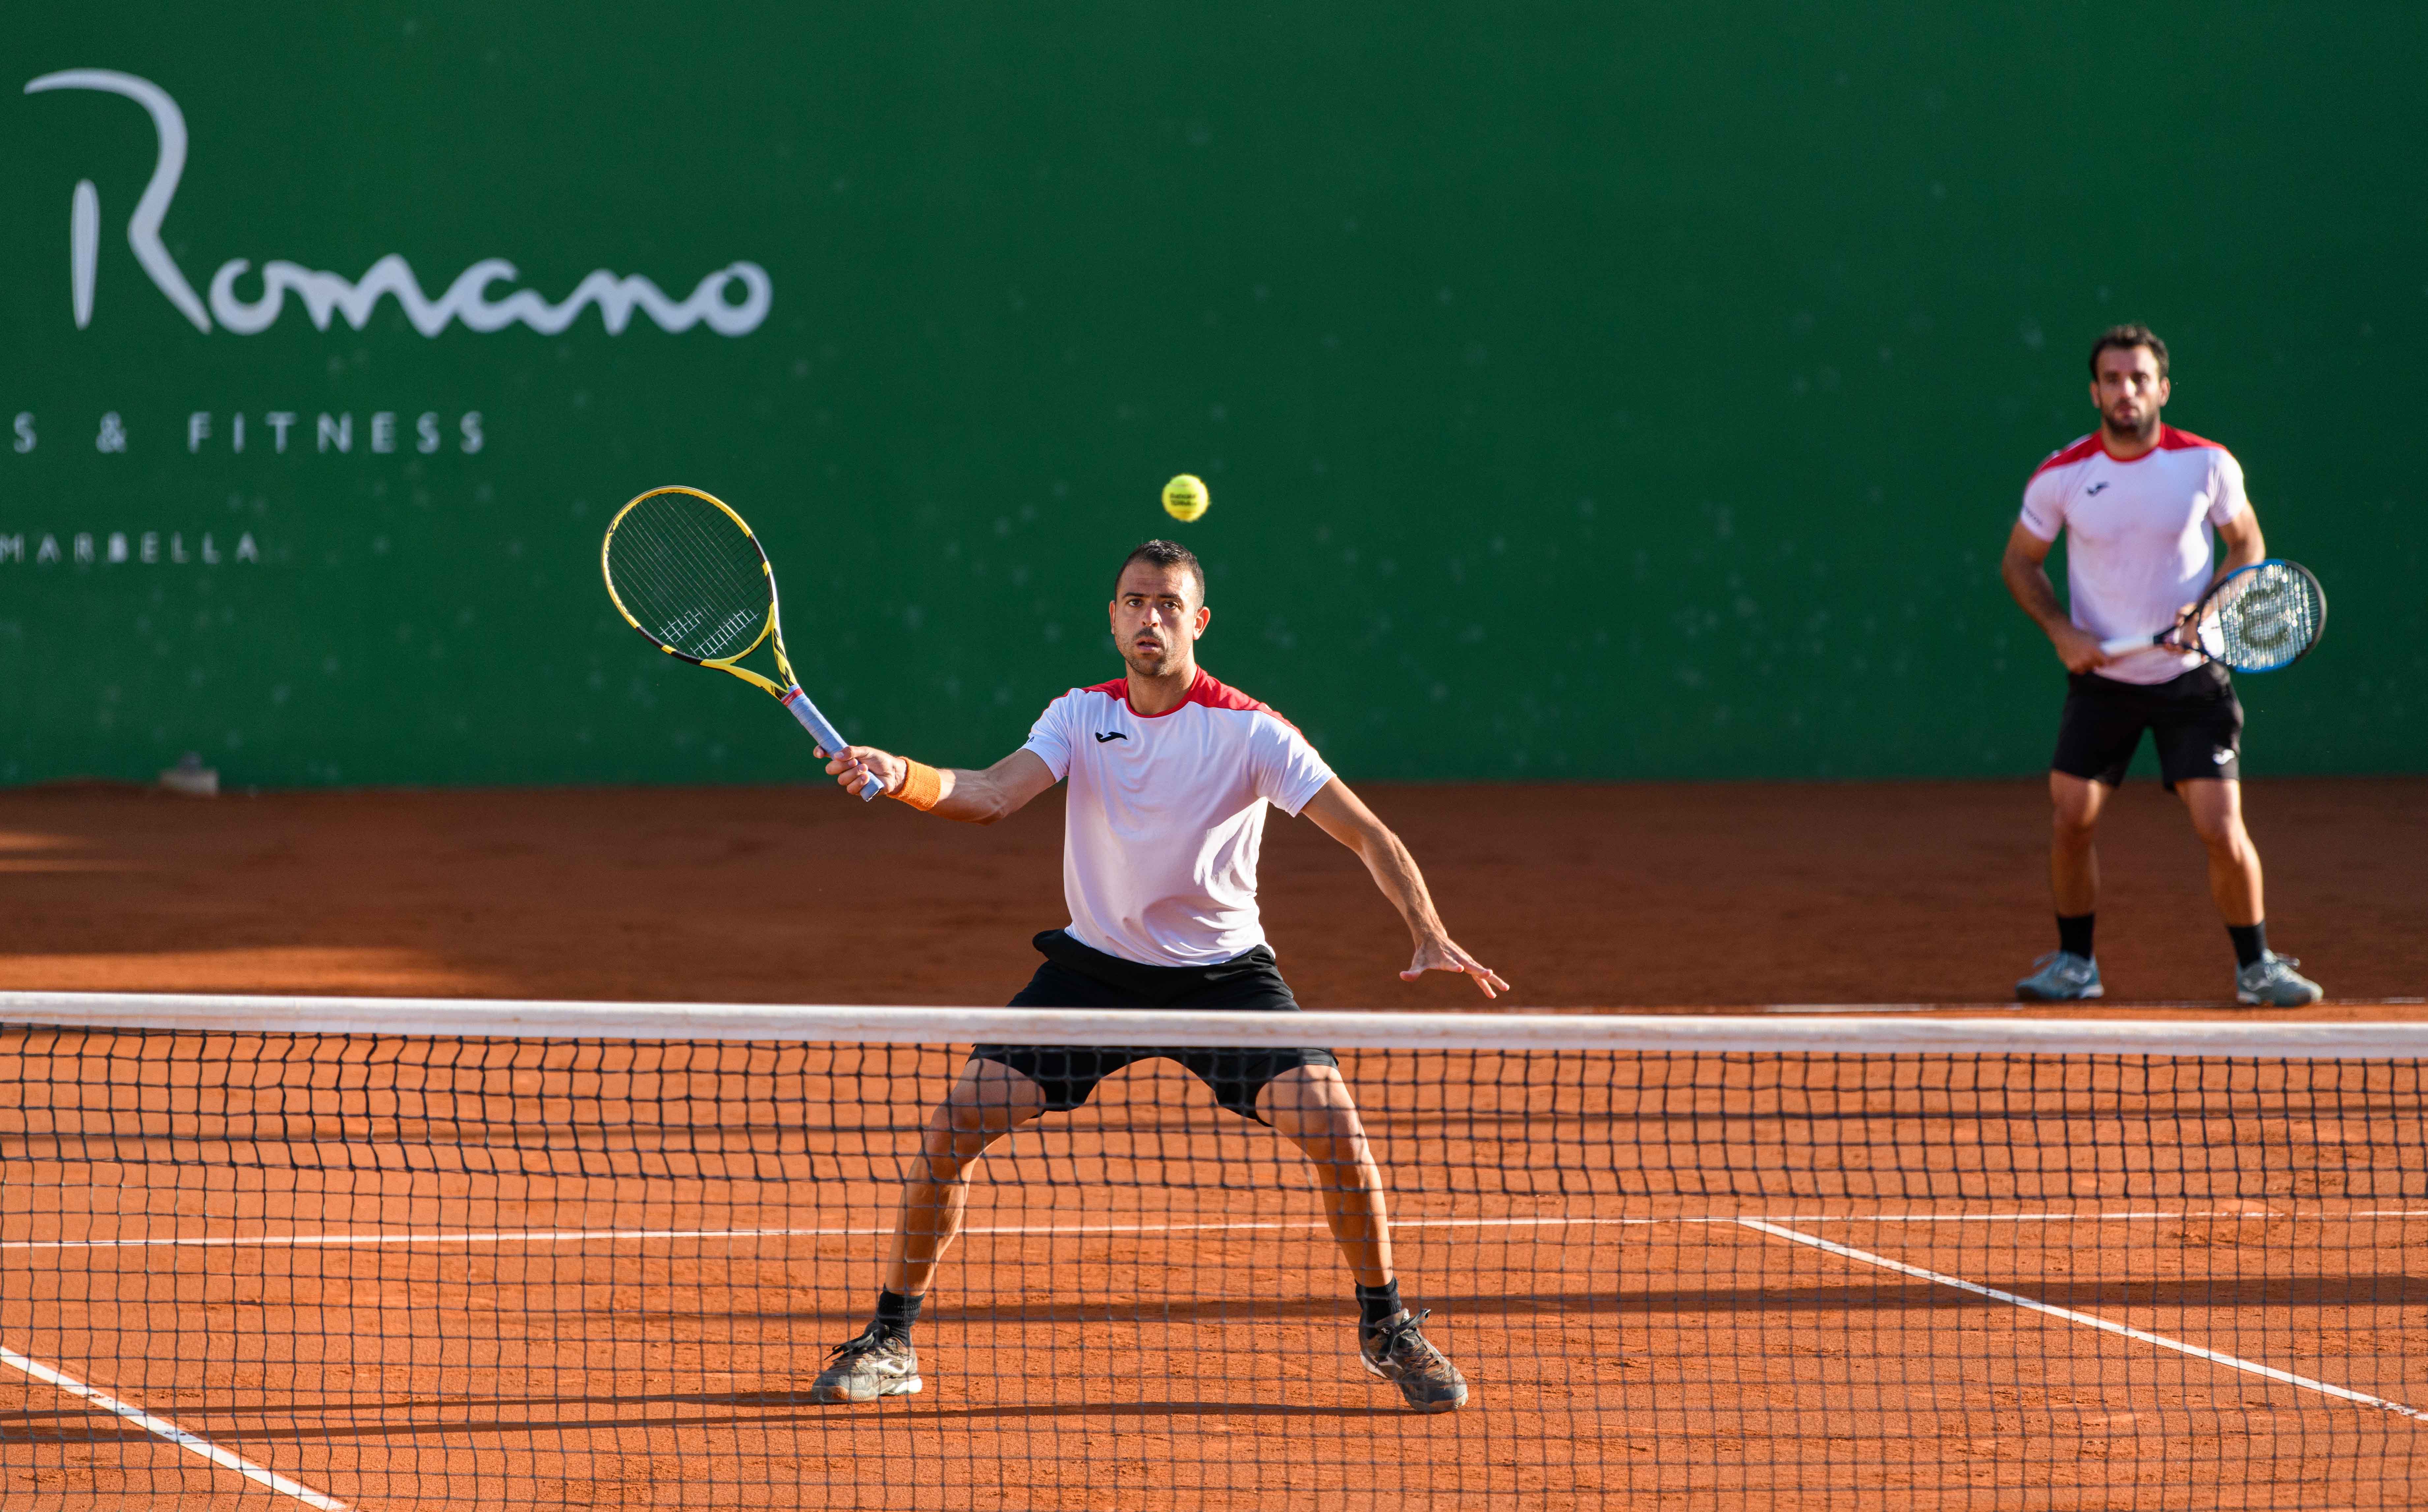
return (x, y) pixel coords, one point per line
(2062, 978)
(1398, 1353)
(2271, 982)
(876, 1364)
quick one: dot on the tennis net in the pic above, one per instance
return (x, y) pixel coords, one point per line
(391, 1253)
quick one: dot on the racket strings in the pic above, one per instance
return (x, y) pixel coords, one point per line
(690, 576)
(2267, 617)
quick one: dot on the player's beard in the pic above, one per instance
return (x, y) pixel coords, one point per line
(1138, 659)
(2123, 423)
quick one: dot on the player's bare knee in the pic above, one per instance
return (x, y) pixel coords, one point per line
(2223, 835)
(2215, 810)
(989, 1100)
(1313, 1106)
(2073, 813)
(957, 1133)
(959, 1116)
(965, 1133)
(943, 1159)
(1335, 1140)
(1330, 1147)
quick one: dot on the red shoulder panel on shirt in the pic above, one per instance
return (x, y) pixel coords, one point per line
(1205, 689)
(1215, 693)
(2067, 455)
(2169, 440)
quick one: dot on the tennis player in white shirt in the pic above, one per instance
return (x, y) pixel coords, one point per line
(2142, 506)
(1170, 773)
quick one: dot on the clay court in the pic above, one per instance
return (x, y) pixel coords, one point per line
(1606, 897)
(460, 1274)
(455, 1053)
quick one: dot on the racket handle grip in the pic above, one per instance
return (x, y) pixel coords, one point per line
(830, 739)
(2122, 644)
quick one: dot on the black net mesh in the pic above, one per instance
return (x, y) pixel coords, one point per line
(388, 1271)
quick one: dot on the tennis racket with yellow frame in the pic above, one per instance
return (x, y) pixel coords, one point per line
(686, 570)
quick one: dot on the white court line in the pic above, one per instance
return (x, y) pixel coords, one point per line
(163, 1428)
(1801, 1009)
(583, 1236)
(2087, 1319)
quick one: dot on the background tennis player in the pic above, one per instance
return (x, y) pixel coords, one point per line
(1169, 775)
(2141, 504)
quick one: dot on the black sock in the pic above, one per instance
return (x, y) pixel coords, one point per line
(2074, 933)
(1377, 1304)
(2250, 941)
(895, 1312)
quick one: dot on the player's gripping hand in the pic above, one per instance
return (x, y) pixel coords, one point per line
(2079, 648)
(1443, 953)
(857, 766)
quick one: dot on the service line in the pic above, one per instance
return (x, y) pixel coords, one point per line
(2233, 1362)
(162, 1428)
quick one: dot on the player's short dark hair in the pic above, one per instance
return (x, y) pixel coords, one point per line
(2125, 338)
(1166, 554)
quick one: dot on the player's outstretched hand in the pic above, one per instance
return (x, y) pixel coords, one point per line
(1444, 953)
(858, 765)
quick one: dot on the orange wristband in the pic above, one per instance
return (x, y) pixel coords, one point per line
(922, 787)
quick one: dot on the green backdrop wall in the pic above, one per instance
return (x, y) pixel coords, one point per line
(1586, 390)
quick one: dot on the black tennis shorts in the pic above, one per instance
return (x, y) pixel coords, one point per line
(2195, 719)
(1075, 975)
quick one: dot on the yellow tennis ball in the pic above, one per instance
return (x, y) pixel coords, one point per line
(1184, 497)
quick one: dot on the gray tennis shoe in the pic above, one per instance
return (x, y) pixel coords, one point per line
(1396, 1351)
(2062, 978)
(875, 1364)
(2271, 982)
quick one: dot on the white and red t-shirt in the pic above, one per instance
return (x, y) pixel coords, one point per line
(2140, 539)
(1166, 815)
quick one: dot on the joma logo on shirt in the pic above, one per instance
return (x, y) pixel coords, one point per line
(1115, 735)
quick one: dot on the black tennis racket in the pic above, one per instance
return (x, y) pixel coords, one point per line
(2255, 619)
(684, 570)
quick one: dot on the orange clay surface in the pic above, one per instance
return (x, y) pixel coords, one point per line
(494, 1275)
(1583, 896)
